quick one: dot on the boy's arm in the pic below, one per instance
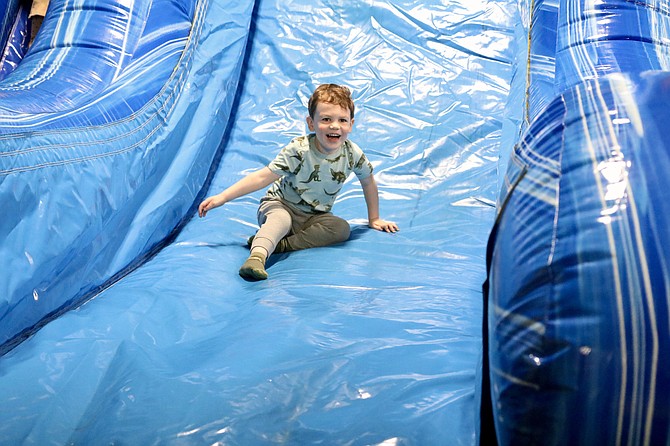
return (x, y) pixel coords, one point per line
(251, 183)
(371, 194)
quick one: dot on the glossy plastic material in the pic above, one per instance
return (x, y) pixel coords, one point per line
(8, 17)
(14, 34)
(100, 157)
(579, 282)
(375, 341)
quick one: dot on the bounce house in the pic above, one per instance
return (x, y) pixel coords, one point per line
(518, 145)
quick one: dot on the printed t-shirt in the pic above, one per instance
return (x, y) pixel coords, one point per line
(310, 180)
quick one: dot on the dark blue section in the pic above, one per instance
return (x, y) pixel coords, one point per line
(578, 302)
(579, 287)
(14, 35)
(9, 10)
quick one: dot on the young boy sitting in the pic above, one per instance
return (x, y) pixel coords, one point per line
(306, 176)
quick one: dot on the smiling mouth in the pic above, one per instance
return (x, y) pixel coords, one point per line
(332, 135)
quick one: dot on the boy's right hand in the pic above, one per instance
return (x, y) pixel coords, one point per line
(208, 204)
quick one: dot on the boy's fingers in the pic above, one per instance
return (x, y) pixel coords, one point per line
(202, 209)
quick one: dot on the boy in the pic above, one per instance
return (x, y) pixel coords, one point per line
(306, 176)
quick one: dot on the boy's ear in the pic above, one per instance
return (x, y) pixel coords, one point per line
(310, 123)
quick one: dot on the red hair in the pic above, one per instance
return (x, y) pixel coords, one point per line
(331, 94)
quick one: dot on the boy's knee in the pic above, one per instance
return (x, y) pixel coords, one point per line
(323, 230)
(341, 230)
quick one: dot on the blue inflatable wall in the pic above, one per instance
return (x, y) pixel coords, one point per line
(102, 152)
(579, 284)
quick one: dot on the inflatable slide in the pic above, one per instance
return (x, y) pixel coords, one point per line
(123, 319)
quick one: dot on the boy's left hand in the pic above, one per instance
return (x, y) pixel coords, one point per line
(382, 225)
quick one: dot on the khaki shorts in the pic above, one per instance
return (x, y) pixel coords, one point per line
(307, 230)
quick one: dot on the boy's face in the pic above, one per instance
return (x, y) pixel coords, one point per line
(332, 125)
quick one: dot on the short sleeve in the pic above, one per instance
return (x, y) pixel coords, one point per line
(290, 158)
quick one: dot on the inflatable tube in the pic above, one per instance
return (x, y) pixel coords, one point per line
(13, 35)
(8, 17)
(101, 151)
(579, 285)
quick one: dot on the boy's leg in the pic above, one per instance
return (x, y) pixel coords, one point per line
(275, 223)
(38, 10)
(39, 7)
(319, 230)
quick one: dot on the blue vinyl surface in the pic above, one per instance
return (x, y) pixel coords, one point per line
(538, 124)
(375, 341)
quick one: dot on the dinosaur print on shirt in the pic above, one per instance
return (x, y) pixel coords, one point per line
(332, 194)
(314, 176)
(301, 162)
(340, 177)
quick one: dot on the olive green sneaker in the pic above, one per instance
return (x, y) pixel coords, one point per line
(254, 268)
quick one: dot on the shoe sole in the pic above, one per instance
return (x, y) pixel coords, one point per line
(250, 273)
